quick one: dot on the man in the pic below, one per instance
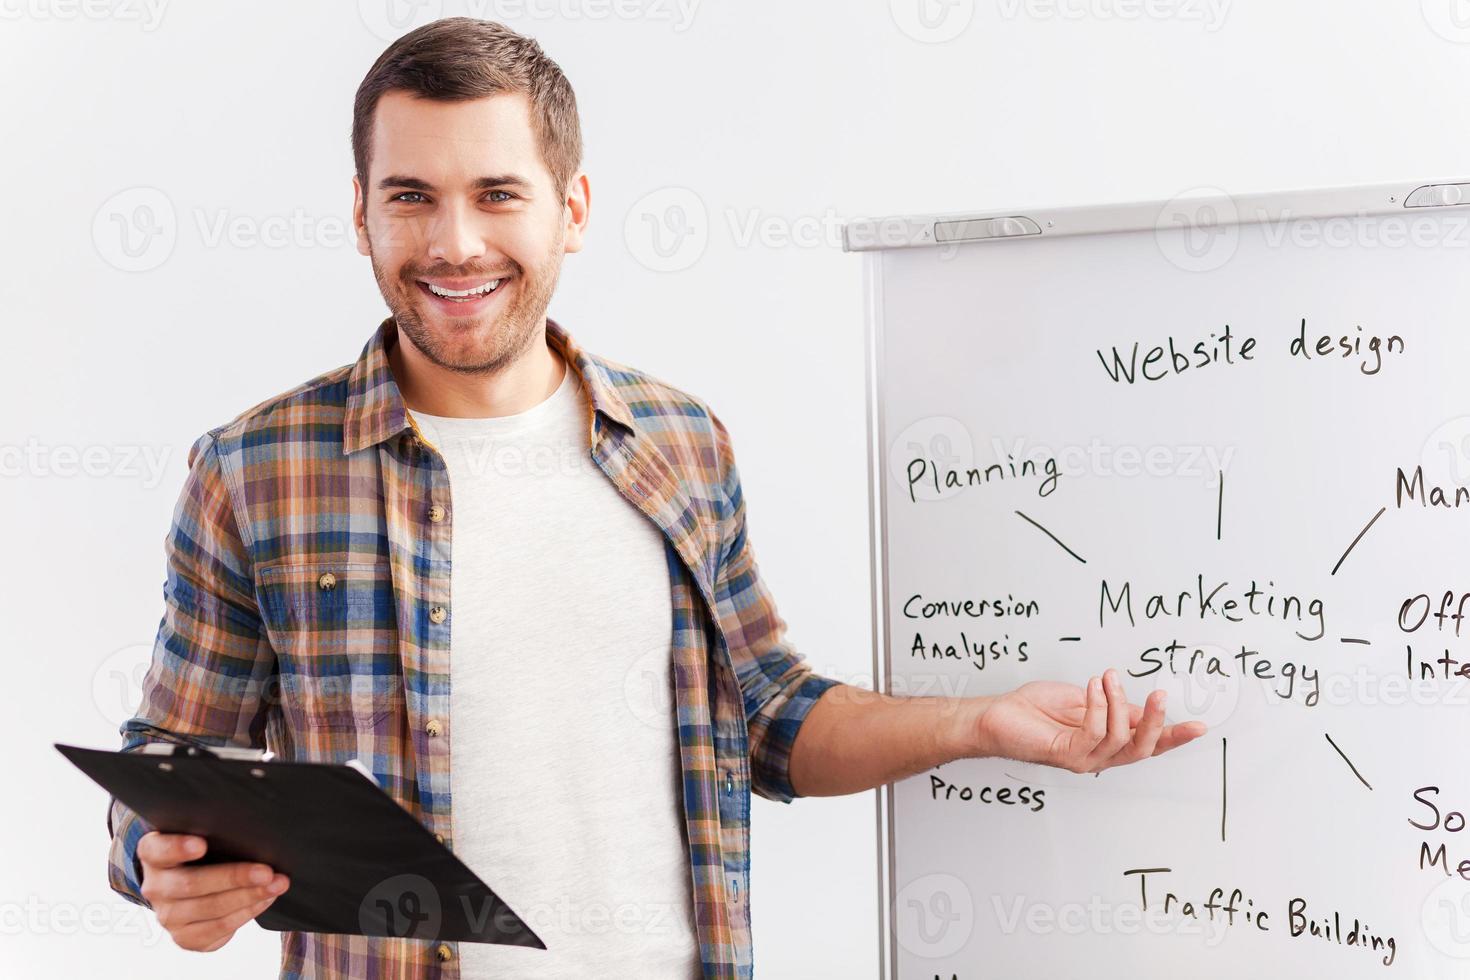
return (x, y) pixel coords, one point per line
(604, 666)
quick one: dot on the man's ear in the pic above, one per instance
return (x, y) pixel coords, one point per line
(577, 208)
(359, 216)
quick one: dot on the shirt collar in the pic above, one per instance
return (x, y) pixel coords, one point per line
(375, 409)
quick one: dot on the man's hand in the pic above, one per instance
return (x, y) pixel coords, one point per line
(202, 906)
(1080, 730)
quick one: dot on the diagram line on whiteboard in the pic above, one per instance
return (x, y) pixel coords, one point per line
(1350, 639)
(1365, 530)
(1220, 509)
(1224, 786)
(1347, 760)
(1052, 536)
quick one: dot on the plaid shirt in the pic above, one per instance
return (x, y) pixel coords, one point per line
(256, 648)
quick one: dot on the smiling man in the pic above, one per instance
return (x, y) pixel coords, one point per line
(481, 543)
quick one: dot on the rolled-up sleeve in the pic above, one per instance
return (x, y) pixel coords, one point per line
(212, 663)
(777, 684)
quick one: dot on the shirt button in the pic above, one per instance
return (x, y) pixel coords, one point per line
(729, 783)
(443, 953)
(326, 582)
(439, 838)
(436, 514)
(437, 614)
(433, 728)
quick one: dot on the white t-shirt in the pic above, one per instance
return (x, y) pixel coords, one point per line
(565, 781)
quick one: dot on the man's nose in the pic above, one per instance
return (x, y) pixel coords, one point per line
(454, 237)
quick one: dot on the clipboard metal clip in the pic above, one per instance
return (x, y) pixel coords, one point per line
(233, 752)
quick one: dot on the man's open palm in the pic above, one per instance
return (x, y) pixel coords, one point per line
(1079, 729)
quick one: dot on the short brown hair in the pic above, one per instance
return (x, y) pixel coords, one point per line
(459, 58)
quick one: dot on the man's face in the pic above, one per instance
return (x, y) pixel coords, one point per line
(464, 227)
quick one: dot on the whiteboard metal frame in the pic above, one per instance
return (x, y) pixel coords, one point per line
(929, 231)
(875, 236)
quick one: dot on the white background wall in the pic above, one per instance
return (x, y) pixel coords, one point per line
(755, 127)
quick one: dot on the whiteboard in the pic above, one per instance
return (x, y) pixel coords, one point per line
(1039, 516)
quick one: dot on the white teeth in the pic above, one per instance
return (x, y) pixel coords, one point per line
(489, 287)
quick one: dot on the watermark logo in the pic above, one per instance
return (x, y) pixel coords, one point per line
(1201, 695)
(648, 689)
(678, 13)
(1445, 917)
(1450, 19)
(668, 229)
(936, 916)
(117, 684)
(65, 461)
(390, 19)
(1199, 230)
(405, 906)
(1446, 454)
(135, 230)
(1211, 14)
(938, 443)
(36, 917)
(147, 14)
(932, 21)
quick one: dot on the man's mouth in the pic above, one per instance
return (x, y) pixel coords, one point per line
(461, 295)
(484, 289)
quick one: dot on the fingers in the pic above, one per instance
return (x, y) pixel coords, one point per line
(169, 850)
(202, 906)
(220, 905)
(210, 935)
(1094, 718)
(178, 884)
(1146, 735)
(1118, 728)
(1177, 735)
(1114, 732)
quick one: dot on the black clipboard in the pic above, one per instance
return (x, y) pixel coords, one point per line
(358, 862)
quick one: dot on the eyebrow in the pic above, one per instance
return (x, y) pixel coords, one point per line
(480, 184)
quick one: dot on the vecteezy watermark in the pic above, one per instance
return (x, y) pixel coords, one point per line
(1201, 696)
(117, 684)
(600, 918)
(526, 458)
(405, 906)
(1098, 458)
(135, 229)
(935, 915)
(1445, 917)
(1211, 14)
(122, 461)
(35, 917)
(932, 21)
(1101, 917)
(1446, 455)
(1198, 230)
(298, 229)
(650, 696)
(679, 14)
(1450, 19)
(648, 688)
(388, 20)
(942, 440)
(667, 230)
(1366, 230)
(147, 14)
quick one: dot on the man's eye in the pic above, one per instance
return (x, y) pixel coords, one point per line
(506, 196)
(404, 197)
